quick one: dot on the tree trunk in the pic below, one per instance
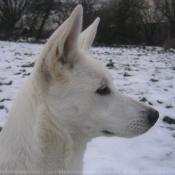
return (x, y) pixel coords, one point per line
(38, 36)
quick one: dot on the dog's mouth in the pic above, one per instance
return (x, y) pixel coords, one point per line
(109, 133)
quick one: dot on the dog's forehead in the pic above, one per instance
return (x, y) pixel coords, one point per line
(94, 68)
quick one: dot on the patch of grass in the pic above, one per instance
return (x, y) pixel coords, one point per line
(127, 65)
(28, 54)
(154, 80)
(169, 106)
(159, 52)
(172, 50)
(126, 75)
(27, 74)
(17, 53)
(5, 99)
(110, 64)
(33, 42)
(9, 83)
(128, 69)
(169, 120)
(29, 65)
(169, 78)
(18, 73)
(107, 53)
(23, 70)
(171, 86)
(2, 107)
(18, 58)
(160, 102)
(150, 103)
(135, 65)
(144, 99)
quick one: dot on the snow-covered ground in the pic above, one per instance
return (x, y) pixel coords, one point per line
(144, 74)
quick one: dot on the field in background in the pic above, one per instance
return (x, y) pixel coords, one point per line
(148, 75)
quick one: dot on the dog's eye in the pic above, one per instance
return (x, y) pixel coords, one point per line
(104, 90)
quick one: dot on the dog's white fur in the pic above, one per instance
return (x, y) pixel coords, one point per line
(59, 109)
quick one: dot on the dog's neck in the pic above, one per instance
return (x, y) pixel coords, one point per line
(55, 142)
(22, 111)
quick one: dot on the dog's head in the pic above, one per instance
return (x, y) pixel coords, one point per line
(80, 93)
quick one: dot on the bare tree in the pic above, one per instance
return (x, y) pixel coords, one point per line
(122, 21)
(167, 8)
(150, 22)
(89, 10)
(119, 21)
(40, 13)
(11, 13)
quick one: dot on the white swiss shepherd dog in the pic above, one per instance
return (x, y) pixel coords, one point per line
(68, 100)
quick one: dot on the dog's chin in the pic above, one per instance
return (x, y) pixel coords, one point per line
(108, 133)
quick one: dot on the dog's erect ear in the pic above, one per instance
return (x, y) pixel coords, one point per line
(86, 38)
(63, 43)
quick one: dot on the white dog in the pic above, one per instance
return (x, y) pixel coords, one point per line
(68, 100)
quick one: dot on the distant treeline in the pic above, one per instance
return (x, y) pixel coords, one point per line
(135, 22)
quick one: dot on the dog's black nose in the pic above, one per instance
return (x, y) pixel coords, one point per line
(153, 116)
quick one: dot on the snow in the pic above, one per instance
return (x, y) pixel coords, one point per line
(152, 76)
